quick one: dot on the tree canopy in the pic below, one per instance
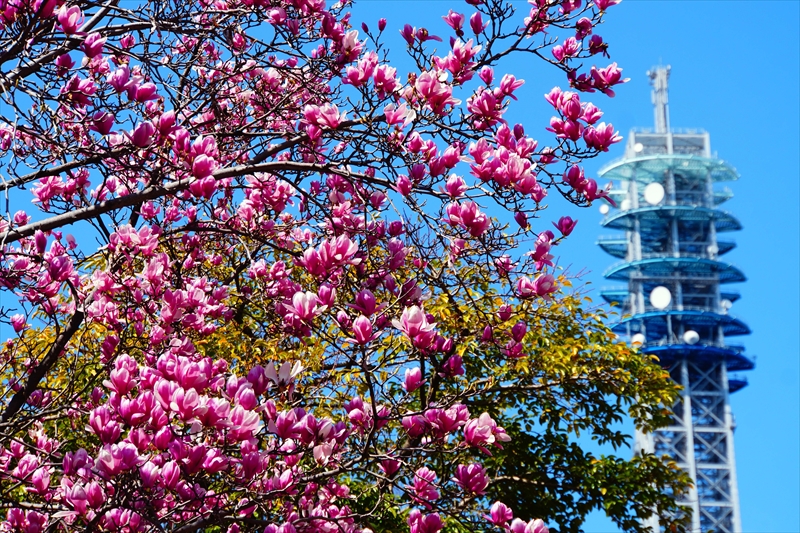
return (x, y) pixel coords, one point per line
(272, 283)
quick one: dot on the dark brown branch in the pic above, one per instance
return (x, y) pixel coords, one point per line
(45, 364)
(157, 191)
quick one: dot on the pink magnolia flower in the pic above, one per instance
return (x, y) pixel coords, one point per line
(500, 515)
(413, 379)
(330, 255)
(142, 135)
(509, 84)
(70, 19)
(183, 402)
(390, 466)
(79, 91)
(536, 526)
(75, 496)
(127, 41)
(605, 78)
(454, 366)
(476, 23)
(568, 49)
(121, 79)
(362, 330)
(486, 108)
(517, 526)
(541, 250)
(424, 487)
(93, 44)
(503, 264)
(455, 186)
(116, 458)
(591, 114)
(102, 424)
(203, 166)
(366, 303)
(150, 473)
(43, 8)
(120, 380)
(419, 523)
(522, 219)
(437, 93)
(18, 322)
(518, 331)
(170, 474)
(472, 478)
(443, 422)
(574, 177)
(504, 313)
(525, 287)
(570, 105)
(399, 114)
(583, 28)
(385, 82)
(415, 425)
(327, 116)
(358, 75)
(304, 306)
(601, 136)
(545, 285)
(565, 225)
(102, 122)
(423, 35)
(483, 431)
(486, 75)
(403, 185)
(41, 480)
(143, 92)
(597, 46)
(243, 423)
(602, 5)
(469, 216)
(414, 323)
(64, 62)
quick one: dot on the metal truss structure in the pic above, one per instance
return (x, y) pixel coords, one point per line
(676, 304)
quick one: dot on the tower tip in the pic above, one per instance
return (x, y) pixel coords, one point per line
(659, 79)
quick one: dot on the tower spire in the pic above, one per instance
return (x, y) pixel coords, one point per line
(659, 79)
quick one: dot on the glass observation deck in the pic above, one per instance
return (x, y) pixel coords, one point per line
(618, 245)
(661, 215)
(649, 168)
(656, 324)
(665, 267)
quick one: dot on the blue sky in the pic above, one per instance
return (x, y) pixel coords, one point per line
(735, 74)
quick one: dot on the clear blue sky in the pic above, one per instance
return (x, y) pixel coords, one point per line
(736, 74)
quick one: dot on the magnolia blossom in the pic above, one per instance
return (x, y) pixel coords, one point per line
(472, 478)
(413, 379)
(565, 225)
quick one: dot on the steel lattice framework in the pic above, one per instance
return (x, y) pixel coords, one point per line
(671, 241)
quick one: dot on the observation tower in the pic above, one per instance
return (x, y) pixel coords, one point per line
(677, 299)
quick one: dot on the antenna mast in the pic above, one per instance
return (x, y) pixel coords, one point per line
(659, 79)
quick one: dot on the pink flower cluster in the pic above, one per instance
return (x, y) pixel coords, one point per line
(255, 199)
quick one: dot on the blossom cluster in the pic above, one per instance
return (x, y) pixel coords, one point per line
(281, 213)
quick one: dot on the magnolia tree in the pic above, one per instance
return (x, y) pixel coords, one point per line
(272, 282)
